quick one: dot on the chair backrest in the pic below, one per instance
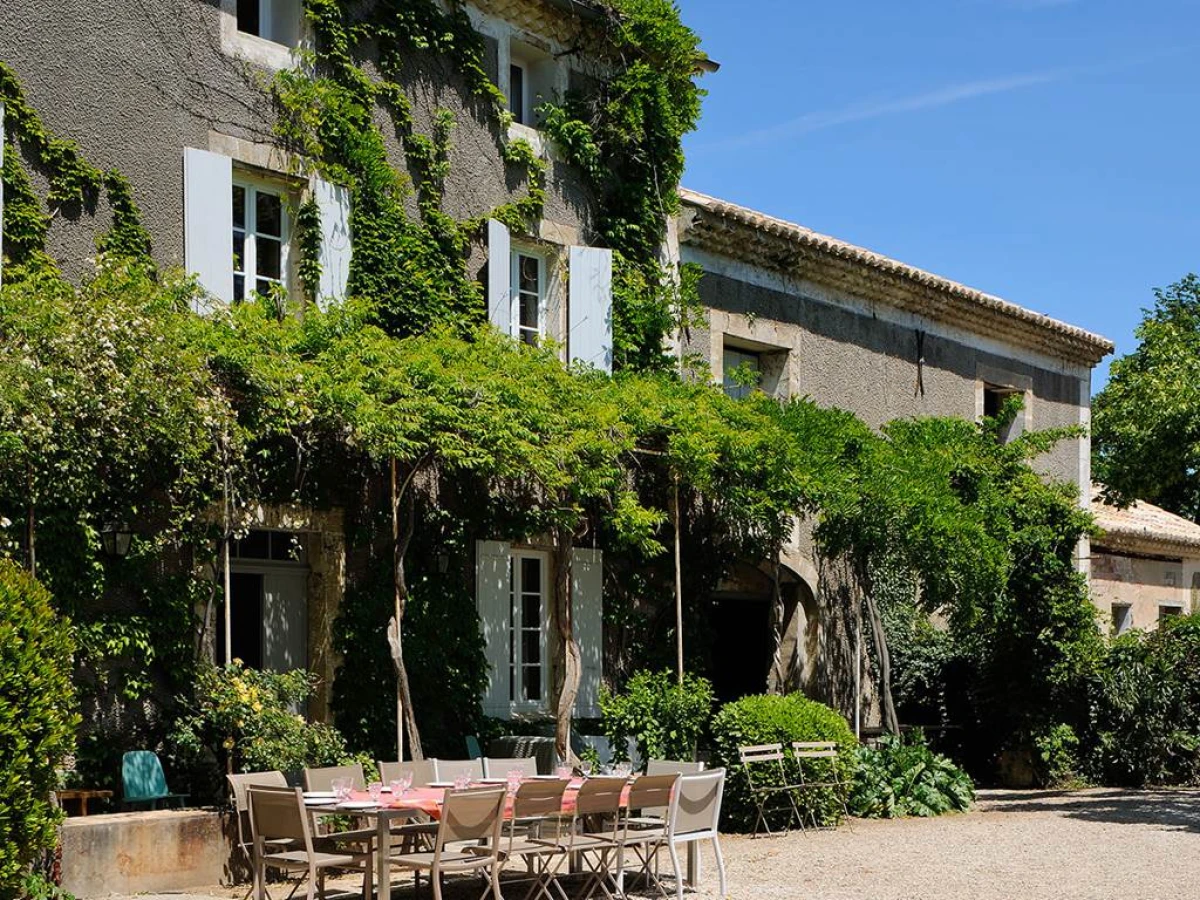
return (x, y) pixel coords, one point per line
(600, 796)
(815, 749)
(238, 785)
(422, 771)
(499, 767)
(472, 816)
(142, 776)
(450, 769)
(474, 751)
(323, 779)
(539, 798)
(277, 813)
(652, 791)
(695, 809)
(760, 753)
(673, 766)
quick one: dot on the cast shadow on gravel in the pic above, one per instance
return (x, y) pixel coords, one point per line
(1171, 810)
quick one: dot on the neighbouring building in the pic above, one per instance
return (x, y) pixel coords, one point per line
(815, 316)
(1145, 565)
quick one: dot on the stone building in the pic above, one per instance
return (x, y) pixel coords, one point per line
(815, 316)
(1145, 565)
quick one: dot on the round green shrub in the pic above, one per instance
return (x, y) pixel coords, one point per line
(779, 719)
(664, 717)
(37, 720)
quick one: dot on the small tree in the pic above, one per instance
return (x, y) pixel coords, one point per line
(37, 720)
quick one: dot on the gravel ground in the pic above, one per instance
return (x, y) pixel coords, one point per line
(1095, 844)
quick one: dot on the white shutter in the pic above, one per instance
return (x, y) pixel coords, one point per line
(493, 602)
(334, 202)
(208, 220)
(499, 279)
(587, 606)
(285, 621)
(589, 311)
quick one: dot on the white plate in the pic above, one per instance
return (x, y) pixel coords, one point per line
(358, 804)
(318, 801)
(492, 781)
(315, 794)
(549, 778)
(441, 784)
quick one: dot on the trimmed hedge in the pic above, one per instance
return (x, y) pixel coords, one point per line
(37, 721)
(779, 719)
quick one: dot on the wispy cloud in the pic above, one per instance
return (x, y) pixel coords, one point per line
(864, 111)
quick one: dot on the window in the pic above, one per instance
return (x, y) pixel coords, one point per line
(259, 239)
(1122, 618)
(743, 372)
(529, 295)
(1168, 612)
(526, 630)
(994, 398)
(517, 99)
(272, 20)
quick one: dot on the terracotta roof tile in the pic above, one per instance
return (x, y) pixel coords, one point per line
(1144, 523)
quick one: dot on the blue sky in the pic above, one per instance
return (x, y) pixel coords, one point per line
(1042, 150)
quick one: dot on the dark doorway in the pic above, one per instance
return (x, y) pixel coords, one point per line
(246, 613)
(741, 647)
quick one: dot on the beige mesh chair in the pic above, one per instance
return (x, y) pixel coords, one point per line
(537, 824)
(643, 835)
(323, 779)
(819, 769)
(277, 814)
(499, 767)
(450, 769)
(237, 786)
(471, 822)
(422, 771)
(769, 782)
(594, 838)
(653, 817)
(694, 815)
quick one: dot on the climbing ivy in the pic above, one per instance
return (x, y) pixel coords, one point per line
(71, 179)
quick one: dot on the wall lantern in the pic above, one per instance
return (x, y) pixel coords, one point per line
(116, 540)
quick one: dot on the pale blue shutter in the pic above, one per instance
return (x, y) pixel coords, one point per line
(587, 607)
(589, 310)
(499, 279)
(493, 602)
(208, 220)
(334, 202)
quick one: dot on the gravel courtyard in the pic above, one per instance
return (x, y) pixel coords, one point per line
(1095, 844)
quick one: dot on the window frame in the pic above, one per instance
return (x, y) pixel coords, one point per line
(516, 329)
(267, 21)
(248, 272)
(1125, 624)
(525, 117)
(517, 628)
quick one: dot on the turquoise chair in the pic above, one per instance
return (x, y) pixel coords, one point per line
(474, 751)
(143, 781)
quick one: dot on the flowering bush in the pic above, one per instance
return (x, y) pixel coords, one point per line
(249, 721)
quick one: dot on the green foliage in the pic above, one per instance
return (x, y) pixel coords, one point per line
(903, 777)
(1058, 755)
(664, 717)
(37, 720)
(1146, 421)
(777, 719)
(247, 720)
(1144, 716)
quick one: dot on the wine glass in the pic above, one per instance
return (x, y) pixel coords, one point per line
(401, 784)
(514, 780)
(375, 789)
(564, 772)
(462, 782)
(585, 766)
(342, 788)
(623, 770)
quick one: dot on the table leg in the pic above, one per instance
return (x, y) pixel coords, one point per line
(383, 869)
(693, 863)
(83, 806)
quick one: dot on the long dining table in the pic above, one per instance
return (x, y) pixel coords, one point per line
(427, 800)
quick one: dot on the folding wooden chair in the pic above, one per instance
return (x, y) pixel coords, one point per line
(763, 765)
(594, 839)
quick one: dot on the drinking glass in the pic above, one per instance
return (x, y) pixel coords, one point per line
(565, 772)
(342, 788)
(462, 782)
(585, 766)
(514, 780)
(623, 770)
(401, 784)
(375, 789)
